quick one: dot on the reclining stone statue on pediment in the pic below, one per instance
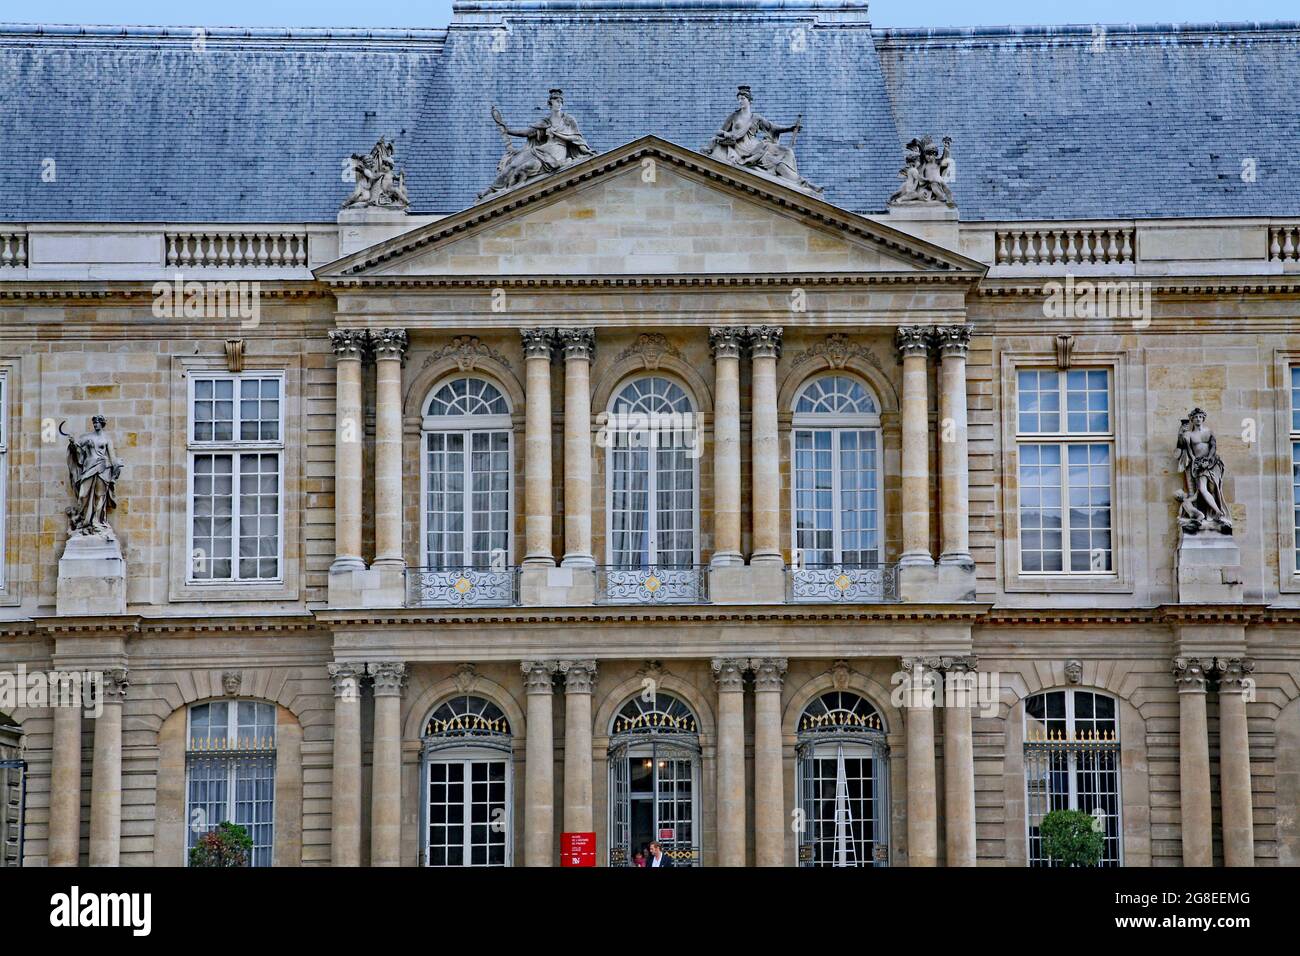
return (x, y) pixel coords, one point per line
(551, 144)
(752, 142)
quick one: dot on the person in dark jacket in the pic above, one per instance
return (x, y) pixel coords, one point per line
(657, 856)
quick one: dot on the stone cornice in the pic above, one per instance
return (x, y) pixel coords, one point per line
(1033, 287)
(725, 280)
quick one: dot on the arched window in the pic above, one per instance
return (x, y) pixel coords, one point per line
(654, 774)
(836, 481)
(467, 784)
(1072, 763)
(843, 782)
(230, 772)
(653, 476)
(466, 476)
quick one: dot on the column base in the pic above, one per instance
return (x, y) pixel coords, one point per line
(362, 588)
(960, 559)
(557, 587)
(936, 583)
(916, 559)
(538, 561)
(578, 560)
(347, 563)
(761, 584)
(727, 559)
(768, 558)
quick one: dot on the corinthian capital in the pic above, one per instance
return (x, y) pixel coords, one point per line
(579, 676)
(537, 343)
(1234, 672)
(349, 343)
(577, 343)
(912, 340)
(952, 340)
(727, 341)
(389, 677)
(346, 677)
(729, 672)
(116, 682)
(764, 341)
(769, 672)
(1189, 672)
(538, 675)
(388, 343)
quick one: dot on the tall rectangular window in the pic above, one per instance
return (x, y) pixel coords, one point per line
(1295, 459)
(1065, 441)
(236, 451)
(4, 469)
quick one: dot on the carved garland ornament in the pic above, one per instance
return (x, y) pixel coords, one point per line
(838, 350)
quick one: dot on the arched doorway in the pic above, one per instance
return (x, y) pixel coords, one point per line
(13, 793)
(843, 782)
(654, 780)
(466, 784)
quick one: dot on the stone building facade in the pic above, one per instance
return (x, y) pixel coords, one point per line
(660, 496)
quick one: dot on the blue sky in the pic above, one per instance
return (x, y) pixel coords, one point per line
(434, 13)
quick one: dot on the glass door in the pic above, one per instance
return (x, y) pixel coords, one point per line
(652, 797)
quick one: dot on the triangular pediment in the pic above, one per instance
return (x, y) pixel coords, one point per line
(649, 208)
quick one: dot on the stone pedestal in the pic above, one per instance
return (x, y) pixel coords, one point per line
(936, 584)
(1209, 568)
(367, 587)
(933, 221)
(360, 228)
(540, 586)
(752, 584)
(92, 576)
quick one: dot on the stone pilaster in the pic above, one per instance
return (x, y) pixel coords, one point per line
(349, 349)
(65, 787)
(922, 827)
(578, 345)
(106, 773)
(769, 776)
(579, 677)
(1194, 760)
(345, 789)
(539, 764)
(952, 343)
(959, 759)
(1234, 762)
(386, 784)
(913, 343)
(726, 343)
(730, 676)
(538, 345)
(389, 346)
(765, 349)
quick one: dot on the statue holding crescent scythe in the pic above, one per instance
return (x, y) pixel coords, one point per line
(93, 470)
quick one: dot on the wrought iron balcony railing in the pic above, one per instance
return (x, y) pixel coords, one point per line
(843, 584)
(462, 587)
(653, 584)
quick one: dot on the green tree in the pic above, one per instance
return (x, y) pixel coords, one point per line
(1072, 838)
(228, 844)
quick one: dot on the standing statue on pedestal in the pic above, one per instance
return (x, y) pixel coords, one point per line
(551, 144)
(1202, 503)
(93, 470)
(738, 143)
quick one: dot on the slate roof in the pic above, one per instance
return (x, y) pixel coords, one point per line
(254, 126)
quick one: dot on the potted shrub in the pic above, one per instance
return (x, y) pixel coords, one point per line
(1072, 838)
(228, 844)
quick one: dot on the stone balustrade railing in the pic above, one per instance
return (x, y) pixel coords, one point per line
(235, 248)
(1104, 245)
(1284, 243)
(13, 249)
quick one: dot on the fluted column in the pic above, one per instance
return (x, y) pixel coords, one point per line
(958, 760)
(922, 828)
(345, 790)
(1234, 763)
(726, 343)
(579, 345)
(65, 786)
(953, 342)
(913, 342)
(1194, 761)
(386, 776)
(579, 676)
(349, 349)
(730, 676)
(538, 345)
(765, 349)
(539, 764)
(769, 776)
(106, 774)
(389, 346)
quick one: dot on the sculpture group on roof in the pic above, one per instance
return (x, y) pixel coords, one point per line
(552, 143)
(926, 174)
(378, 182)
(750, 141)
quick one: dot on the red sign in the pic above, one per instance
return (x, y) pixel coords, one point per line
(578, 849)
(667, 834)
